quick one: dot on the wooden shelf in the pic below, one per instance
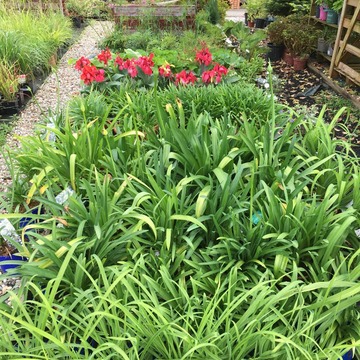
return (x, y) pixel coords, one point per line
(324, 22)
(348, 24)
(347, 21)
(325, 56)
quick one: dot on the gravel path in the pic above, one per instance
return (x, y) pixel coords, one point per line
(59, 87)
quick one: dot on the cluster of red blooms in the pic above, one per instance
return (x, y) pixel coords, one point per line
(145, 63)
(203, 57)
(185, 77)
(165, 71)
(214, 75)
(105, 56)
(90, 73)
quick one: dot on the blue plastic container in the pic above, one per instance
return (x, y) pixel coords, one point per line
(348, 356)
(12, 262)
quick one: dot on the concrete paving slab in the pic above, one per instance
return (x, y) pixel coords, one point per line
(236, 15)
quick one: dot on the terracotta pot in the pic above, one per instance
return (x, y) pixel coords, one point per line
(288, 58)
(299, 63)
(251, 24)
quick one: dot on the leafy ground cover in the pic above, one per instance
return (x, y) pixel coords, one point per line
(197, 219)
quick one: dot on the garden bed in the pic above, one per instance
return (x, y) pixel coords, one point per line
(199, 212)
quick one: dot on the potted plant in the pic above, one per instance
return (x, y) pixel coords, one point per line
(8, 239)
(300, 37)
(331, 13)
(9, 86)
(256, 10)
(326, 37)
(250, 14)
(275, 33)
(79, 10)
(321, 9)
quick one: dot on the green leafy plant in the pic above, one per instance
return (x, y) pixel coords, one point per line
(198, 216)
(300, 36)
(256, 9)
(128, 313)
(9, 74)
(275, 31)
(29, 40)
(83, 8)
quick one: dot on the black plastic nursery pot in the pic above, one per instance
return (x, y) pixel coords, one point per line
(260, 23)
(9, 108)
(275, 52)
(77, 22)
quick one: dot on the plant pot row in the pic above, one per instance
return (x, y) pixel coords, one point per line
(278, 52)
(325, 14)
(257, 23)
(298, 63)
(12, 107)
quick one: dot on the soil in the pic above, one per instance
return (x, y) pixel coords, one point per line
(6, 250)
(290, 87)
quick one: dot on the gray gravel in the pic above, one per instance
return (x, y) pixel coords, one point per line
(59, 87)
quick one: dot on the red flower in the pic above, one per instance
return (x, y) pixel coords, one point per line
(203, 57)
(221, 69)
(132, 70)
(120, 62)
(80, 63)
(104, 56)
(145, 63)
(214, 75)
(184, 77)
(128, 64)
(165, 71)
(100, 75)
(91, 73)
(208, 76)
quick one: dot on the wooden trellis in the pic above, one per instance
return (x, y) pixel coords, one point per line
(346, 56)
